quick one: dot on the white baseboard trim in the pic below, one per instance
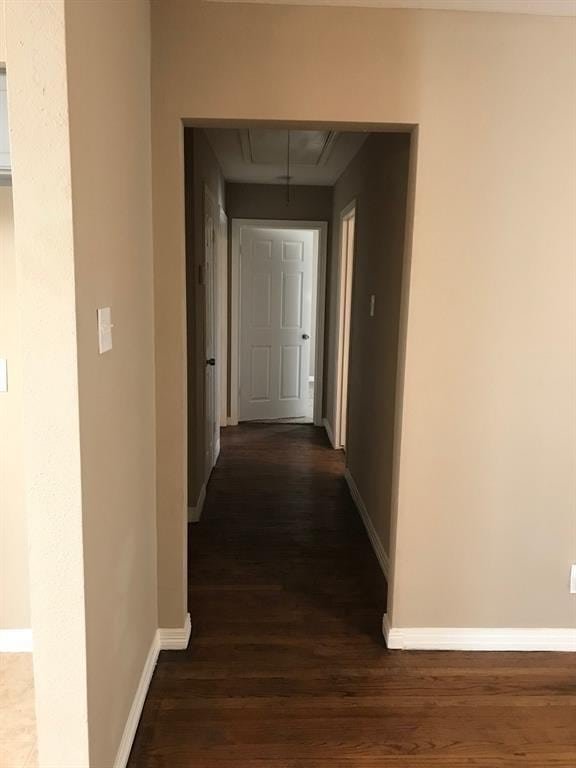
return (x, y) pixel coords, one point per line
(137, 704)
(177, 638)
(370, 530)
(163, 640)
(329, 432)
(477, 639)
(195, 513)
(15, 641)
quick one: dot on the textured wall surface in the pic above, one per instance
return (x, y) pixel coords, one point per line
(14, 589)
(82, 212)
(3, 32)
(43, 221)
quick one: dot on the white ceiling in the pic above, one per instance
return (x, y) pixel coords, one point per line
(538, 7)
(260, 155)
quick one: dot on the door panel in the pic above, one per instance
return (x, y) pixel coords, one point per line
(260, 374)
(292, 251)
(275, 322)
(290, 369)
(261, 300)
(291, 301)
(262, 249)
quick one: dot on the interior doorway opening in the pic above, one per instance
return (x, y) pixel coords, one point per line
(258, 231)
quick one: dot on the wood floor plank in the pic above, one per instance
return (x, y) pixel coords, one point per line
(287, 667)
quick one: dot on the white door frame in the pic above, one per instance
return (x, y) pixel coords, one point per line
(345, 274)
(321, 227)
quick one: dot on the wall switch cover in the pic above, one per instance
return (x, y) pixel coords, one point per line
(573, 580)
(372, 305)
(104, 329)
(3, 375)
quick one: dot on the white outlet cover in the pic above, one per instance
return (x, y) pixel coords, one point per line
(104, 329)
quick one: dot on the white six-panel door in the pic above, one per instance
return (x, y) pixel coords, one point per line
(275, 322)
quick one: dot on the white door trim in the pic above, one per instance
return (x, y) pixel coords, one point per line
(347, 212)
(314, 226)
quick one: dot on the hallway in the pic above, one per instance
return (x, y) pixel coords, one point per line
(287, 667)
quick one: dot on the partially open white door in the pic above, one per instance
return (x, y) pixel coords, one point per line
(275, 322)
(222, 314)
(212, 432)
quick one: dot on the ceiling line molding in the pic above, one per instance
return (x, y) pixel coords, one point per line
(244, 139)
(259, 155)
(565, 8)
(249, 144)
(327, 148)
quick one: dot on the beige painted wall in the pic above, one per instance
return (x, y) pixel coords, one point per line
(377, 180)
(3, 32)
(109, 102)
(484, 479)
(268, 201)
(14, 589)
(82, 193)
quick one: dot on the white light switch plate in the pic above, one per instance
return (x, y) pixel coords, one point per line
(3, 375)
(372, 305)
(104, 329)
(573, 580)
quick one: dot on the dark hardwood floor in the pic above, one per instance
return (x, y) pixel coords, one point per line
(287, 667)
